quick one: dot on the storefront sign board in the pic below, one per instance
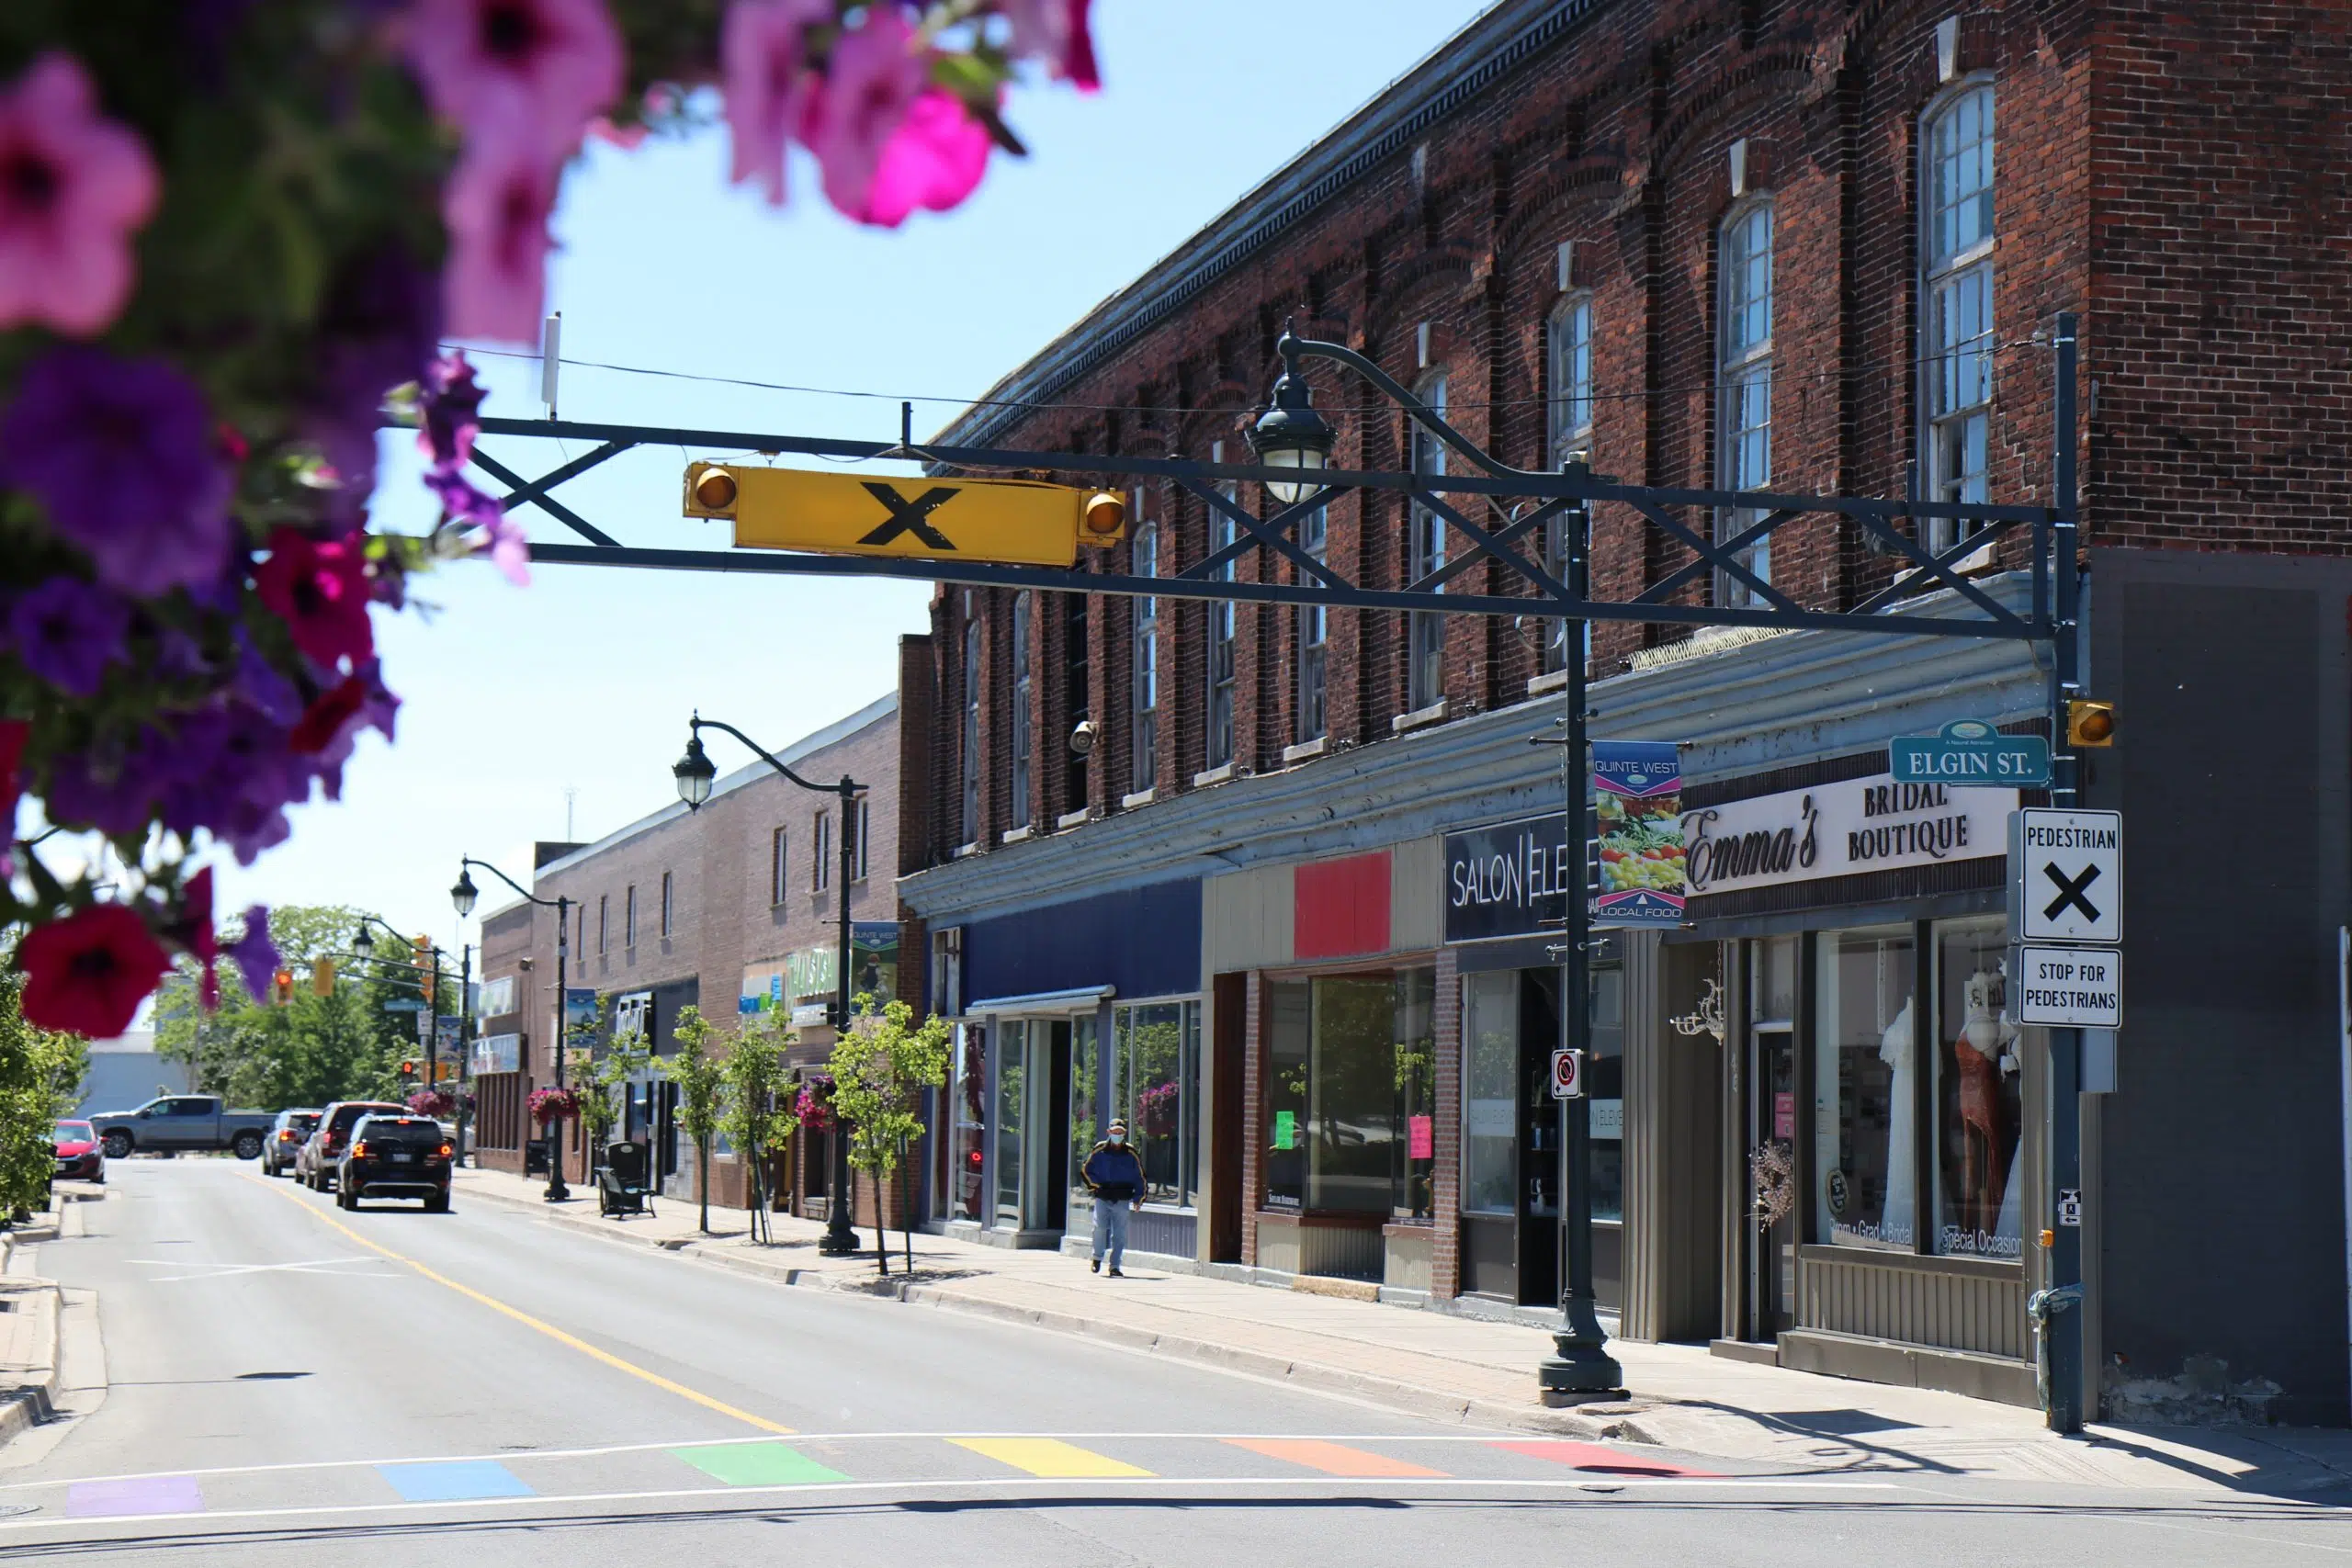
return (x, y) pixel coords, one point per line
(1511, 879)
(2070, 987)
(1838, 829)
(498, 1054)
(1970, 754)
(2066, 876)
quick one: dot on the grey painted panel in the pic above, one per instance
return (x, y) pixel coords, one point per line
(1415, 875)
(1914, 1300)
(1247, 918)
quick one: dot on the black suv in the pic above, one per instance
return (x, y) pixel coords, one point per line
(396, 1156)
(322, 1156)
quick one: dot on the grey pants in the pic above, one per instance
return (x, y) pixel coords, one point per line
(1110, 1229)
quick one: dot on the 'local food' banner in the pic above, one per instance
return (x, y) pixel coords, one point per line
(1638, 801)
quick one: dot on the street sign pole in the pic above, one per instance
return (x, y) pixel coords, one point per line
(2065, 1262)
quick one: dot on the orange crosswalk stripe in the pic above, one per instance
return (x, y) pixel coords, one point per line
(1336, 1459)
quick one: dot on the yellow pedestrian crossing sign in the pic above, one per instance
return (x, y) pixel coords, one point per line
(1018, 521)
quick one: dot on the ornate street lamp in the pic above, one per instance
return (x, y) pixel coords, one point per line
(463, 897)
(1290, 433)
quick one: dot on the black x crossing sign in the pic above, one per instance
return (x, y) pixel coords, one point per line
(2066, 876)
(1017, 521)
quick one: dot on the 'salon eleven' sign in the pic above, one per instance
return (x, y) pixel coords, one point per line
(1838, 829)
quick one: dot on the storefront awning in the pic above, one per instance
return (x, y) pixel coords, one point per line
(1041, 1002)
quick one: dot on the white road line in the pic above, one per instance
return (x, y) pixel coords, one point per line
(517, 1456)
(1383, 1488)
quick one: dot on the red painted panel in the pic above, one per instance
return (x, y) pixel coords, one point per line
(1341, 906)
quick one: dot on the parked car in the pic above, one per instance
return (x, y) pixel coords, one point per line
(396, 1156)
(182, 1122)
(287, 1135)
(78, 1154)
(322, 1154)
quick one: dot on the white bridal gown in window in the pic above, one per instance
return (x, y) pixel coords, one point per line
(1894, 1050)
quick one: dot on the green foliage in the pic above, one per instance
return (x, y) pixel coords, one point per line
(605, 1080)
(41, 1079)
(701, 1078)
(756, 1110)
(344, 1046)
(880, 1069)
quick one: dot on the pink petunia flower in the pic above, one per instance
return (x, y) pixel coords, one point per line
(73, 187)
(932, 161)
(14, 733)
(320, 588)
(873, 79)
(196, 924)
(497, 207)
(1056, 32)
(767, 79)
(535, 70)
(87, 974)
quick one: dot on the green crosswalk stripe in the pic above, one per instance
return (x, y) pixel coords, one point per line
(757, 1464)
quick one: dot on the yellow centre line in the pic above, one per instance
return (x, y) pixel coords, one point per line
(525, 1318)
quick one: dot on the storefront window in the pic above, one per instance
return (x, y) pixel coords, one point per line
(1608, 1090)
(1085, 1105)
(969, 1147)
(1011, 1106)
(1155, 1084)
(1413, 1152)
(1979, 1109)
(1773, 998)
(1351, 1094)
(1289, 1045)
(1489, 1090)
(1865, 1089)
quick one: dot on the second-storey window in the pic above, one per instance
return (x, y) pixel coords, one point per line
(971, 721)
(1744, 385)
(1146, 656)
(1956, 301)
(857, 823)
(668, 903)
(1222, 532)
(1569, 408)
(1426, 635)
(604, 920)
(1314, 636)
(628, 916)
(820, 850)
(777, 857)
(1021, 665)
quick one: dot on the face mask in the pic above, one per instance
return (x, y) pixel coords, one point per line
(1118, 1140)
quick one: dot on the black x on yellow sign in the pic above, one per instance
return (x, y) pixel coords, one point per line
(1017, 521)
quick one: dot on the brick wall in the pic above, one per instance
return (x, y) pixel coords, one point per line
(2131, 185)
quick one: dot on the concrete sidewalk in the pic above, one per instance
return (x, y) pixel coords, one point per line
(1473, 1370)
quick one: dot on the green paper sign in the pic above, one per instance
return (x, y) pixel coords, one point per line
(1285, 1129)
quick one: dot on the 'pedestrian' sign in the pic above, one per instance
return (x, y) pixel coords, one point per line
(2070, 987)
(2066, 876)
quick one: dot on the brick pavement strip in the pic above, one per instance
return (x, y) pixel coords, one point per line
(1427, 1363)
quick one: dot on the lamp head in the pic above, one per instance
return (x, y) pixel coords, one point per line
(1290, 433)
(464, 894)
(694, 774)
(364, 944)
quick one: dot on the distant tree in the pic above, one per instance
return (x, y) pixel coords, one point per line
(701, 1078)
(41, 1072)
(603, 1081)
(757, 1113)
(880, 1069)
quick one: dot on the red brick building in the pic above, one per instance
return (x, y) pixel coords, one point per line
(1806, 248)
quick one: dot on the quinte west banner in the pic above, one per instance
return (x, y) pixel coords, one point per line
(1637, 809)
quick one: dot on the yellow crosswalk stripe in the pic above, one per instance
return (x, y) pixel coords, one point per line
(1048, 1457)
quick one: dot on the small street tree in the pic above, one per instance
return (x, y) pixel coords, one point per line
(701, 1078)
(41, 1071)
(602, 1084)
(757, 1113)
(880, 1069)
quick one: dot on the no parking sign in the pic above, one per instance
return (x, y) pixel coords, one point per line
(1567, 1075)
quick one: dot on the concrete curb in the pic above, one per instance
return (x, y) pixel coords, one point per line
(31, 1402)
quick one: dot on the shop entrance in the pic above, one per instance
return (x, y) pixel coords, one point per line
(1032, 1125)
(1771, 1181)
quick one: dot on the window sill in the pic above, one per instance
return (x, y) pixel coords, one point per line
(1537, 685)
(1016, 835)
(1306, 750)
(1141, 797)
(1077, 819)
(1420, 717)
(962, 850)
(1216, 775)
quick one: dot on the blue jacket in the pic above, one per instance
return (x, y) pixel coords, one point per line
(1114, 1172)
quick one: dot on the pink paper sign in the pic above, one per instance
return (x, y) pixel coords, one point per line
(1785, 1115)
(1420, 1138)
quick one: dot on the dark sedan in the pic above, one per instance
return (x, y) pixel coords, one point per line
(78, 1154)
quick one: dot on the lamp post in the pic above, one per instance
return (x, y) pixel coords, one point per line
(1291, 435)
(695, 775)
(463, 897)
(429, 1028)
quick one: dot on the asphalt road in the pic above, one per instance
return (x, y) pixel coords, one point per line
(288, 1384)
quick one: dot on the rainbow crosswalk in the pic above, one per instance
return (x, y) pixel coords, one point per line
(850, 1459)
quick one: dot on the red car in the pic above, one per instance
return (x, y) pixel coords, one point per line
(78, 1155)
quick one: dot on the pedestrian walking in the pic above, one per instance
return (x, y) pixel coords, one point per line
(1113, 1174)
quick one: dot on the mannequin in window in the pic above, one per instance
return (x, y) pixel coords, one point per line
(1894, 1050)
(1982, 1056)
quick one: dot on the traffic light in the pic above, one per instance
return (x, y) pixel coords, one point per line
(408, 1069)
(281, 988)
(322, 976)
(2089, 723)
(426, 968)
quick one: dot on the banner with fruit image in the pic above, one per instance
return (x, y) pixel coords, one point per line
(1637, 810)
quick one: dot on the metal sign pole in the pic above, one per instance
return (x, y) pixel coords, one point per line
(2065, 1304)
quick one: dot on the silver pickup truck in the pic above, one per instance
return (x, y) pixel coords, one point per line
(181, 1122)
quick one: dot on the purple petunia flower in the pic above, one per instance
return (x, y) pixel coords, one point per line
(67, 632)
(260, 684)
(160, 520)
(452, 410)
(381, 322)
(255, 955)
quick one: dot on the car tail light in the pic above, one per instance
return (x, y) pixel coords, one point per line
(358, 1151)
(446, 1150)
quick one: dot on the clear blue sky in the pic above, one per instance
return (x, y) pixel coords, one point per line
(584, 679)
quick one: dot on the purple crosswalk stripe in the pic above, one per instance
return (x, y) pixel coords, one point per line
(142, 1495)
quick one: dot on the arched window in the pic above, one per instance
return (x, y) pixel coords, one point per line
(971, 720)
(1743, 383)
(1313, 638)
(1146, 550)
(1426, 682)
(1023, 662)
(1217, 733)
(1568, 430)
(1956, 300)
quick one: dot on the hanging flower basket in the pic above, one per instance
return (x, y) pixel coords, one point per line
(553, 1105)
(814, 1109)
(433, 1102)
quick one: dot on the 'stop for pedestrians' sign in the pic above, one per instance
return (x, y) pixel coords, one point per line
(2066, 876)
